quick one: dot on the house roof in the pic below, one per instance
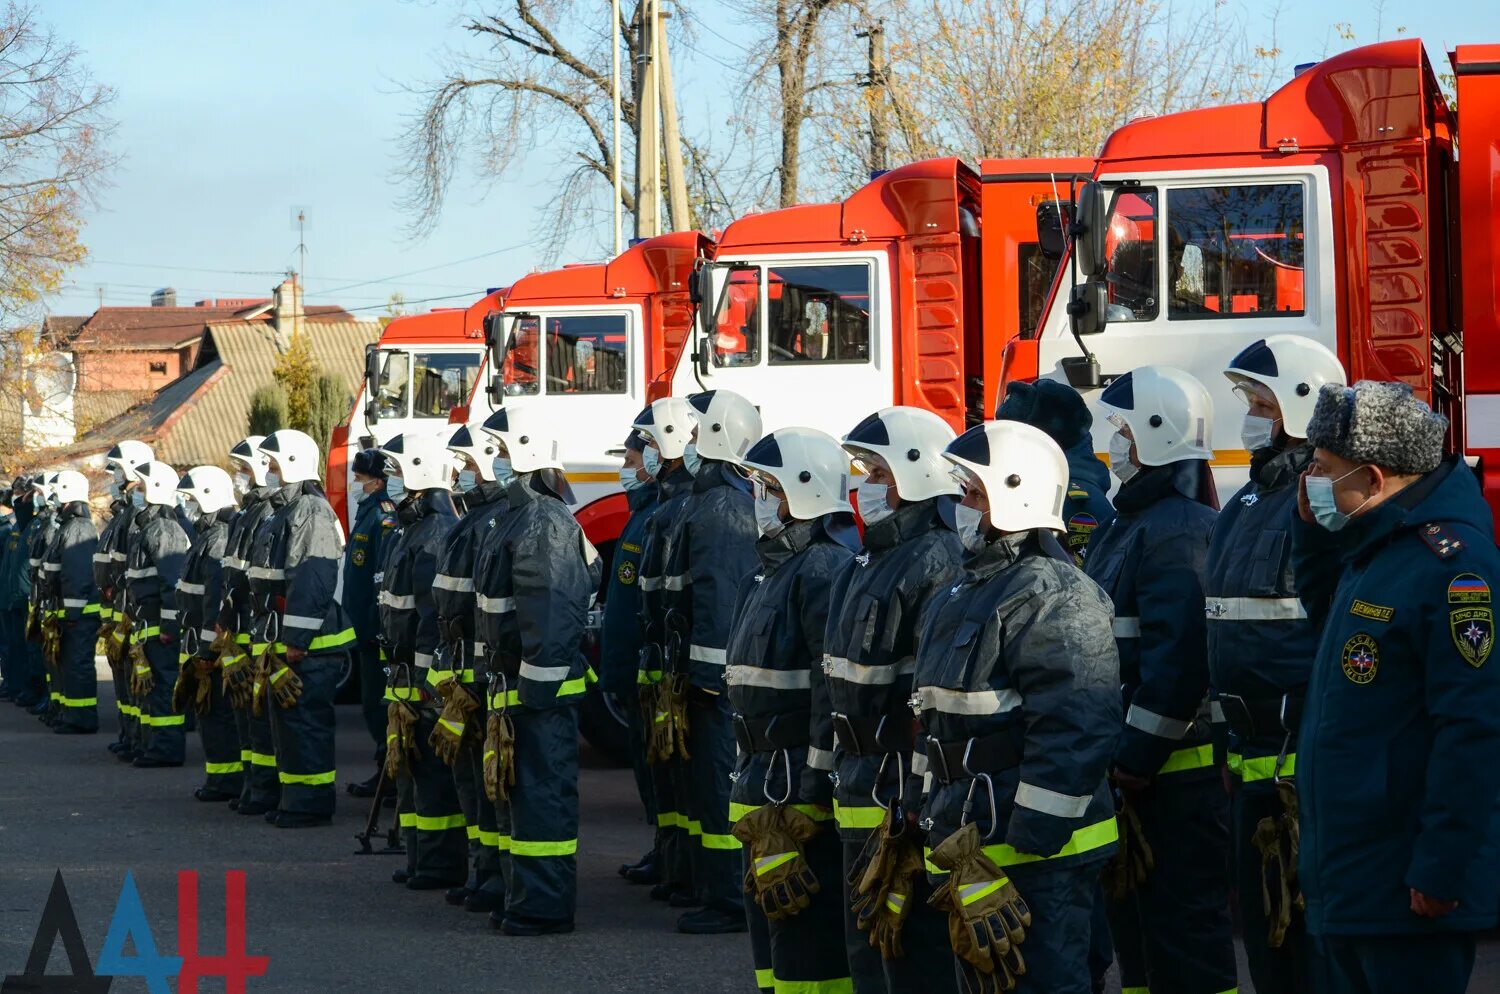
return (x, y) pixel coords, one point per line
(111, 328)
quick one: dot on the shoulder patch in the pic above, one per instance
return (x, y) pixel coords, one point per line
(1075, 492)
(388, 522)
(1468, 588)
(1374, 612)
(1361, 658)
(1471, 621)
(1443, 544)
(388, 507)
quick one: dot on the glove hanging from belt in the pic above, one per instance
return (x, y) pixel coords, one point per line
(116, 647)
(453, 725)
(883, 879)
(1278, 837)
(499, 751)
(142, 682)
(778, 876)
(669, 721)
(400, 737)
(33, 623)
(280, 678)
(1128, 868)
(987, 918)
(185, 690)
(239, 675)
(51, 642)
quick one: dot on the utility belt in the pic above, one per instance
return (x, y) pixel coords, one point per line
(860, 735)
(1259, 717)
(986, 754)
(773, 734)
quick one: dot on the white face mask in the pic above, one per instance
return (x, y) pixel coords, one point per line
(873, 506)
(138, 497)
(968, 519)
(690, 458)
(273, 478)
(1119, 458)
(630, 479)
(467, 480)
(241, 484)
(1324, 505)
(1258, 433)
(395, 487)
(768, 516)
(503, 473)
(651, 460)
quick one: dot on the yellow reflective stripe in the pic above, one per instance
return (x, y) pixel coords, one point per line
(1085, 839)
(502, 842)
(589, 675)
(408, 820)
(520, 848)
(671, 819)
(403, 693)
(895, 902)
(766, 864)
(841, 985)
(738, 811)
(78, 702)
(570, 687)
(712, 840)
(439, 823)
(858, 816)
(245, 755)
(1135, 990)
(262, 759)
(1191, 758)
(128, 709)
(212, 768)
(1235, 762)
(973, 892)
(92, 609)
(1264, 768)
(649, 678)
(307, 779)
(276, 677)
(473, 833)
(161, 721)
(436, 676)
(456, 727)
(241, 638)
(331, 641)
(764, 979)
(510, 699)
(142, 634)
(489, 839)
(258, 648)
(709, 840)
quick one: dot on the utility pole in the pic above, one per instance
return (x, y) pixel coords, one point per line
(648, 125)
(876, 81)
(614, 34)
(677, 199)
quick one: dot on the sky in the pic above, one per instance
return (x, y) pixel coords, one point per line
(232, 116)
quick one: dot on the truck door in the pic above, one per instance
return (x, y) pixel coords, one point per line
(1201, 266)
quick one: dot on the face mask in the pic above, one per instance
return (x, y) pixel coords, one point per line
(873, 506)
(690, 458)
(190, 508)
(503, 473)
(395, 487)
(768, 516)
(630, 479)
(1119, 458)
(138, 498)
(115, 492)
(651, 459)
(467, 480)
(241, 484)
(273, 478)
(1258, 433)
(968, 519)
(1325, 508)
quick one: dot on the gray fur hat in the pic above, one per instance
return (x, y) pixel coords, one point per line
(1379, 423)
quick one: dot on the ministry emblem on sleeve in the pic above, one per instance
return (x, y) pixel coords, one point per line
(1471, 621)
(1361, 658)
(626, 573)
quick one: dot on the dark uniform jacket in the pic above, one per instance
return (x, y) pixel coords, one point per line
(235, 604)
(201, 588)
(374, 522)
(537, 579)
(708, 556)
(1086, 508)
(1397, 771)
(68, 573)
(14, 567)
(103, 564)
(1150, 561)
(408, 612)
(158, 550)
(1016, 668)
(1260, 643)
(870, 650)
(620, 637)
(775, 655)
(294, 575)
(673, 494)
(39, 535)
(453, 588)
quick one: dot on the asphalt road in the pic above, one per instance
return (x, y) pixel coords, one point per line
(326, 918)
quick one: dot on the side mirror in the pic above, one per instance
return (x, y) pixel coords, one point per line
(698, 285)
(1051, 217)
(1086, 307)
(1082, 372)
(372, 381)
(1088, 230)
(497, 390)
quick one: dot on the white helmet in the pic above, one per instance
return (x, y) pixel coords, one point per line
(69, 486)
(472, 442)
(911, 441)
(1024, 473)
(808, 465)
(127, 456)
(668, 423)
(247, 453)
(728, 424)
(158, 483)
(1293, 368)
(1169, 412)
(207, 486)
(294, 455)
(527, 436)
(46, 485)
(422, 461)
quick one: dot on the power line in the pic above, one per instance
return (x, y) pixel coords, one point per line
(474, 295)
(428, 269)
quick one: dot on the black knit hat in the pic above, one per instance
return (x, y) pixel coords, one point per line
(1054, 407)
(370, 462)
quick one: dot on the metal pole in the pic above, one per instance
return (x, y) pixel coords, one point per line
(656, 109)
(614, 33)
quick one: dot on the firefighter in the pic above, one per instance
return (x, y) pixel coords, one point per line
(539, 579)
(374, 522)
(910, 551)
(40, 532)
(667, 427)
(453, 596)
(711, 550)
(15, 595)
(158, 549)
(69, 593)
(1171, 924)
(1260, 643)
(126, 501)
(620, 634)
(1061, 412)
(301, 636)
(8, 679)
(209, 492)
(436, 857)
(782, 799)
(1396, 774)
(254, 478)
(1016, 691)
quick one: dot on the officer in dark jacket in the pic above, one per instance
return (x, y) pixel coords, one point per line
(1396, 772)
(1260, 643)
(15, 595)
(374, 521)
(1060, 411)
(1172, 930)
(910, 551)
(539, 577)
(1017, 694)
(261, 791)
(210, 493)
(39, 537)
(782, 796)
(158, 550)
(300, 629)
(620, 633)
(453, 594)
(708, 557)
(7, 525)
(68, 581)
(122, 460)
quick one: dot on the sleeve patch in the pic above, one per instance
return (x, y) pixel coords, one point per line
(387, 507)
(1468, 588)
(1373, 612)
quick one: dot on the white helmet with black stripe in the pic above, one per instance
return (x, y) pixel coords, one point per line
(70, 485)
(422, 461)
(728, 425)
(1293, 368)
(668, 424)
(1022, 470)
(807, 466)
(158, 483)
(527, 436)
(124, 458)
(910, 441)
(209, 487)
(294, 456)
(1168, 411)
(473, 443)
(246, 453)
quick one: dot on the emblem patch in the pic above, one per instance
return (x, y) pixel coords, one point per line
(1250, 499)
(1080, 527)
(359, 556)
(1473, 631)
(1375, 612)
(626, 573)
(1361, 658)
(1467, 588)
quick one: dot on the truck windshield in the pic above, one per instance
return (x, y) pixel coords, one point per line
(442, 381)
(1235, 251)
(520, 373)
(736, 328)
(393, 392)
(586, 353)
(1130, 248)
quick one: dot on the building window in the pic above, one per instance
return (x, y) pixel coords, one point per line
(159, 368)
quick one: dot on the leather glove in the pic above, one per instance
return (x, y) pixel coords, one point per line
(499, 756)
(1128, 868)
(987, 918)
(141, 680)
(185, 690)
(451, 731)
(282, 680)
(1278, 839)
(888, 870)
(400, 738)
(778, 878)
(239, 678)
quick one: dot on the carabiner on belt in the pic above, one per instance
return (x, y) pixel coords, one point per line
(765, 785)
(968, 809)
(900, 781)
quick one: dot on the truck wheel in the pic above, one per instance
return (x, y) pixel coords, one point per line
(346, 691)
(601, 719)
